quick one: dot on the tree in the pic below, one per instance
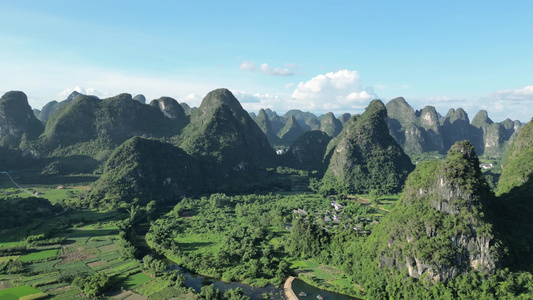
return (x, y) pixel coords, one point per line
(209, 292)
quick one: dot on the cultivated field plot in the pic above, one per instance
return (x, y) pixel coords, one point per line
(15, 293)
(64, 247)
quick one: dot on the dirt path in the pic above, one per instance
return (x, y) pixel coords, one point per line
(287, 287)
(362, 200)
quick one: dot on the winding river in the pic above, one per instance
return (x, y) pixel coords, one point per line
(256, 293)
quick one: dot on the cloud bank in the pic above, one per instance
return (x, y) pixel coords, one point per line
(266, 69)
(509, 103)
(334, 91)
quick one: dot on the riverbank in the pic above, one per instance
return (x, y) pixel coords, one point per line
(287, 288)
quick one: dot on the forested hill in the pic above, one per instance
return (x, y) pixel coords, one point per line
(440, 228)
(146, 170)
(515, 190)
(17, 122)
(365, 157)
(223, 135)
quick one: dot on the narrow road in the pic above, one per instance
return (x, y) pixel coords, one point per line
(287, 287)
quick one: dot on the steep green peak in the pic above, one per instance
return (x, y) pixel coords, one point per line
(16, 96)
(330, 116)
(365, 157)
(481, 119)
(120, 97)
(398, 106)
(263, 122)
(518, 163)
(400, 110)
(169, 107)
(508, 124)
(17, 119)
(463, 148)
(299, 115)
(291, 131)
(187, 109)
(262, 114)
(72, 96)
(312, 124)
(140, 98)
(331, 125)
(376, 108)
(459, 114)
(270, 113)
(344, 118)
(440, 228)
(219, 97)
(292, 122)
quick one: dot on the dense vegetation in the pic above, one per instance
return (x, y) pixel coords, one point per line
(145, 170)
(205, 189)
(365, 157)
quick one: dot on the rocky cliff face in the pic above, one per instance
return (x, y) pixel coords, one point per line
(415, 133)
(440, 227)
(17, 121)
(422, 131)
(169, 107)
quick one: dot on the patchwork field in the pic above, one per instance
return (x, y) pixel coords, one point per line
(74, 244)
(17, 292)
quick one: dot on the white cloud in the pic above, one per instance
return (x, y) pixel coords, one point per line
(254, 102)
(289, 85)
(247, 66)
(89, 91)
(268, 70)
(192, 100)
(509, 103)
(341, 91)
(292, 66)
(338, 92)
(243, 97)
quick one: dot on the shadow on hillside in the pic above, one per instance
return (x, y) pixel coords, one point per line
(514, 219)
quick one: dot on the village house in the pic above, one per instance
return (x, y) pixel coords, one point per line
(336, 205)
(486, 166)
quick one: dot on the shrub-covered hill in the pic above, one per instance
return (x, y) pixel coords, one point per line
(17, 121)
(515, 190)
(308, 150)
(110, 122)
(225, 138)
(291, 131)
(518, 164)
(263, 122)
(147, 170)
(441, 241)
(365, 157)
(440, 228)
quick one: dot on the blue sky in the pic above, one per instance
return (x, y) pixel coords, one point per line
(310, 55)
